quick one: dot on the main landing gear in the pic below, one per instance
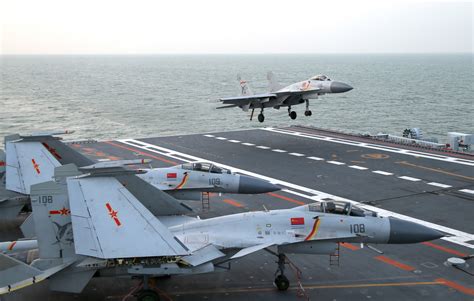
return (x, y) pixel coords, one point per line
(143, 291)
(261, 118)
(291, 113)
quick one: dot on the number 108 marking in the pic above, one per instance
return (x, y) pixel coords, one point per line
(357, 228)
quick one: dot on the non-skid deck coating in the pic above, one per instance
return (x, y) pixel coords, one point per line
(431, 188)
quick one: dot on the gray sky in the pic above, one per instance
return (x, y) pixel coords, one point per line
(244, 26)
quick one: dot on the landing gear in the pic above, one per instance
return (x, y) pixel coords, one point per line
(261, 118)
(307, 112)
(148, 295)
(291, 113)
(143, 292)
(281, 282)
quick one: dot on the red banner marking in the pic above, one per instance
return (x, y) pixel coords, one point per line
(444, 249)
(456, 286)
(297, 221)
(233, 203)
(113, 214)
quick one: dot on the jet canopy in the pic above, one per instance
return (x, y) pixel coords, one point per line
(205, 167)
(338, 207)
(320, 77)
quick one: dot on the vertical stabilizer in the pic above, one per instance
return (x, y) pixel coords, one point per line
(52, 218)
(273, 84)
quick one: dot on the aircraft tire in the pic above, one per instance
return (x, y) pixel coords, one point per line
(148, 295)
(282, 283)
(293, 115)
(308, 113)
(261, 118)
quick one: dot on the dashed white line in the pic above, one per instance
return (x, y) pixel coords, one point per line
(279, 150)
(234, 141)
(221, 138)
(209, 135)
(316, 158)
(409, 178)
(248, 144)
(467, 191)
(263, 147)
(296, 154)
(336, 162)
(373, 146)
(439, 185)
(384, 173)
(358, 167)
(457, 237)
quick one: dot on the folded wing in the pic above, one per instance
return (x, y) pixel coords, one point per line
(109, 222)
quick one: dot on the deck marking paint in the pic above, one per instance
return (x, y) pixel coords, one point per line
(457, 236)
(439, 185)
(409, 178)
(383, 173)
(395, 263)
(358, 167)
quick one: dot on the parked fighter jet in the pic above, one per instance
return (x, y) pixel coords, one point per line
(32, 159)
(87, 224)
(294, 94)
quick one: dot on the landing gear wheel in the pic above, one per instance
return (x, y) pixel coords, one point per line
(293, 115)
(148, 295)
(308, 113)
(261, 118)
(282, 283)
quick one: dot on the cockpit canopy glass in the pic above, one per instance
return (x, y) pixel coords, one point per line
(336, 207)
(205, 167)
(320, 77)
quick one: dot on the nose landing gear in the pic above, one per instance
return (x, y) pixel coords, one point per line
(281, 282)
(307, 112)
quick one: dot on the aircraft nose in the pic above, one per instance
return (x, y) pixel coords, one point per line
(250, 185)
(405, 232)
(338, 87)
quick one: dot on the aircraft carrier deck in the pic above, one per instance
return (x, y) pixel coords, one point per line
(433, 188)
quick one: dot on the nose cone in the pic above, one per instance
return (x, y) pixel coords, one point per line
(405, 232)
(338, 87)
(250, 185)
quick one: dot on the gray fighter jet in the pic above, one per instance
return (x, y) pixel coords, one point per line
(31, 159)
(87, 224)
(294, 94)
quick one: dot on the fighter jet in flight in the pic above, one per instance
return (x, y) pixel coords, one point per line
(87, 224)
(278, 96)
(31, 160)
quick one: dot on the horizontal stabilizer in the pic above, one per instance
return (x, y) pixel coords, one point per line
(227, 107)
(107, 218)
(203, 255)
(15, 274)
(250, 250)
(118, 163)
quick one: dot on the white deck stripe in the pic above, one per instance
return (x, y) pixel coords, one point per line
(263, 147)
(458, 237)
(358, 167)
(336, 162)
(384, 173)
(374, 146)
(439, 185)
(296, 154)
(234, 141)
(467, 191)
(409, 178)
(248, 144)
(209, 135)
(279, 150)
(221, 138)
(316, 158)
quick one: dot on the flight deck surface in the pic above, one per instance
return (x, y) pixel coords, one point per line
(431, 188)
